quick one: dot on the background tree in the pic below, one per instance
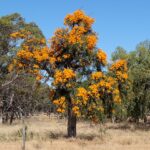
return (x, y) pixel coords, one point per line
(137, 96)
(118, 70)
(139, 64)
(119, 53)
(14, 87)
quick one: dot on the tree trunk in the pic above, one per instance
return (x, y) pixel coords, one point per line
(1, 115)
(71, 121)
(5, 118)
(11, 117)
(145, 119)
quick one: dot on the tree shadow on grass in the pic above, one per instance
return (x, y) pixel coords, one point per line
(57, 135)
(87, 137)
(130, 126)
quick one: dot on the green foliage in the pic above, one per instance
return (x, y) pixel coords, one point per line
(17, 92)
(139, 72)
(119, 53)
(137, 97)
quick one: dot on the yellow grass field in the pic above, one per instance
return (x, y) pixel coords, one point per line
(44, 133)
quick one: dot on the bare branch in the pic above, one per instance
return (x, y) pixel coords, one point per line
(9, 82)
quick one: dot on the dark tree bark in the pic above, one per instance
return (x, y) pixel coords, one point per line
(71, 121)
(145, 119)
(11, 117)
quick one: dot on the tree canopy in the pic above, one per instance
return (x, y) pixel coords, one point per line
(74, 66)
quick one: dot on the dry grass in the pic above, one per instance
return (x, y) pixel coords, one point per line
(46, 133)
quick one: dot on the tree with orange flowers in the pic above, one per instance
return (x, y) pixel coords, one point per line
(18, 95)
(73, 65)
(119, 71)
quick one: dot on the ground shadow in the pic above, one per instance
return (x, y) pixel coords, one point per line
(130, 126)
(87, 137)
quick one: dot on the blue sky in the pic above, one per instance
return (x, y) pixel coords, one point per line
(118, 22)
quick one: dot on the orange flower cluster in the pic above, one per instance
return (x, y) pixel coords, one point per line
(94, 108)
(62, 77)
(79, 17)
(101, 55)
(76, 35)
(35, 66)
(25, 54)
(18, 35)
(96, 75)
(112, 81)
(100, 108)
(29, 59)
(91, 41)
(120, 70)
(76, 111)
(105, 85)
(41, 55)
(31, 49)
(120, 64)
(61, 104)
(94, 90)
(66, 56)
(10, 67)
(116, 97)
(52, 60)
(92, 96)
(59, 40)
(38, 55)
(39, 77)
(60, 33)
(28, 37)
(83, 94)
(121, 76)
